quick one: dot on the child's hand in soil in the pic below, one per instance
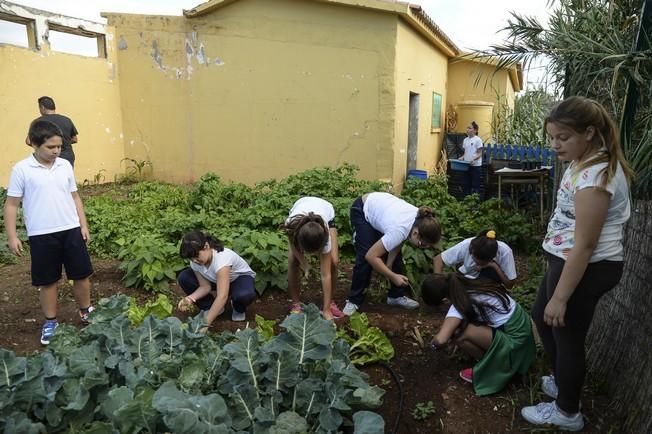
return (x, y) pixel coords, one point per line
(186, 305)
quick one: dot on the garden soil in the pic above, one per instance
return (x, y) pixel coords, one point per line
(424, 375)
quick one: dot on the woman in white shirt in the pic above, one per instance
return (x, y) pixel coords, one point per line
(472, 153)
(215, 275)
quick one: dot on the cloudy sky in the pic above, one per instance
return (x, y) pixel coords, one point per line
(471, 24)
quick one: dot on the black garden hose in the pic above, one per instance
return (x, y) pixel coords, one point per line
(394, 376)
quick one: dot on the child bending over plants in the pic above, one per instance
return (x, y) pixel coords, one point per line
(216, 274)
(482, 257)
(487, 324)
(381, 224)
(311, 230)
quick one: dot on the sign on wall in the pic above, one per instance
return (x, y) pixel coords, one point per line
(436, 111)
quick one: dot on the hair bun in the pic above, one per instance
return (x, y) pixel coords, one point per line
(491, 234)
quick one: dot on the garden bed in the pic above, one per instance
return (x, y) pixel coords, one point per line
(425, 375)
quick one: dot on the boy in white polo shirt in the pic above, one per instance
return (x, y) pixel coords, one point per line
(55, 221)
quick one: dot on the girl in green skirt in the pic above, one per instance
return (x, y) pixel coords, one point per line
(487, 324)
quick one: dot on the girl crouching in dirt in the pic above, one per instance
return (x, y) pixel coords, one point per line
(216, 274)
(487, 324)
(311, 230)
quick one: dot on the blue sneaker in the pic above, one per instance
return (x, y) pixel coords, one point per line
(48, 331)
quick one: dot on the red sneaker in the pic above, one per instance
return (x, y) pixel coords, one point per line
(337, 313)
(467, 375)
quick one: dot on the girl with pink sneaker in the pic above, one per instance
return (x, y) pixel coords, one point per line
(311, 230)
(487, 324)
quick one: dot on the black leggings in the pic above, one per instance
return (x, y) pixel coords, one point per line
(565, 345)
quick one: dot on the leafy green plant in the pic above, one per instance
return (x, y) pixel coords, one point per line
(264, 327)
(266, 253)
(164, 376)
(525, 292)
(522, 124)
(368, 344)
(161, 309)
(135, 169)
(149, 262)
(417, 263)
(423, 410)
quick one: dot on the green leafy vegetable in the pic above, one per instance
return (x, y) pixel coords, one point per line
(164, 376)
(161, 308)
(368, 344)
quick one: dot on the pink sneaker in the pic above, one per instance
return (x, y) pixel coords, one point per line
(467, 375)
(296, 308)
(337, 313)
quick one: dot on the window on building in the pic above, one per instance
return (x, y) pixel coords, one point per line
(17, 31)
(76, 41)
(435, 123)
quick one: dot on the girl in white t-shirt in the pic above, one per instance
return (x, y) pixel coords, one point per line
(472, 145)
(480, 257)
(381, 224)
(584, 249)
(311, 230)
(487, 324)
(215, 275)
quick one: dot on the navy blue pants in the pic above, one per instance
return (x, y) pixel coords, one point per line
(365, 236)
(472, 180)
(241, 291)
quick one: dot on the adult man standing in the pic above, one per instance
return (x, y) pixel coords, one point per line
(48, 112)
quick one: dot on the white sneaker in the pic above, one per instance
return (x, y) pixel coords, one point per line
(549, 386)
(237, 316)
(547, 414)
(404, 302)
(350, 308)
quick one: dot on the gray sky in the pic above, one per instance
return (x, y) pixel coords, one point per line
(471, 24)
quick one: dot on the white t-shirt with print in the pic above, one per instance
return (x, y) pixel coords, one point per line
(391, 216)
(225, 258)
(318, 206)
(560, 236)
(460, 254)
(46, 194)
(471, 146)
(496, 319)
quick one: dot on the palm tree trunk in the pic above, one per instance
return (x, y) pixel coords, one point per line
(620, 339)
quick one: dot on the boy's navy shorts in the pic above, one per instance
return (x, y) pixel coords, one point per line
(50, 251)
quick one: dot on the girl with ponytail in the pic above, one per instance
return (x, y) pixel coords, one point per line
(480, 257)
(584, 248)
(216, 274)
(487, 324)
(381, 223)
(311, 231)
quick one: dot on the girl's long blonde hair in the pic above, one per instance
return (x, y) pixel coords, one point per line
(578, 113)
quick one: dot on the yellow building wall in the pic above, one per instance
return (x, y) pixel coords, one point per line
(258, 90)
(477, 83)
(83, 88)
(420, 69)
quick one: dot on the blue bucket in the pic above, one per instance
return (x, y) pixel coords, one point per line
(459, 165)
(418, 174)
